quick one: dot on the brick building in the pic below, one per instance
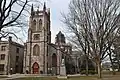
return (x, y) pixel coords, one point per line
(11, 57)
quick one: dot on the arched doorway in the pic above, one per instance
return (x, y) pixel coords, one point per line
(54, 64)
(35, 68)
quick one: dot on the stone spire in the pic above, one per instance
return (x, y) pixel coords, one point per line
(44, 7)
(32, 10)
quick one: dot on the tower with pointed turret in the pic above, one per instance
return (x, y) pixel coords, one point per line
(39, 36)
(60, 39)
(40, 55)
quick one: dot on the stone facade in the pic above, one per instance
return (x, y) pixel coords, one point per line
(11, 57)
(40, 55)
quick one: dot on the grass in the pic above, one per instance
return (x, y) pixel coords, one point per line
(38, 78)
(105, 76)
(108, 77)
(83, 78)
(2, 76)
(54, 78)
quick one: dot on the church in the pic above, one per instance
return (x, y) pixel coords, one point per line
(40, 55)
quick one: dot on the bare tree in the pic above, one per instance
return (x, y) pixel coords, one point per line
(14, 15)
(116, 53)
(93, 24)
(6, 8)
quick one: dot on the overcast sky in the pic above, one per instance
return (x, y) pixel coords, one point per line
(57, 6)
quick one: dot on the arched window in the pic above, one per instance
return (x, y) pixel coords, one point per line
(54, 60)
(34, 24)
(40, 24)
(36, 50)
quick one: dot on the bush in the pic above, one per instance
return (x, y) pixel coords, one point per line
(92, 72)
(83, 72)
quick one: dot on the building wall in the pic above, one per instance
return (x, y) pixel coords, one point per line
(55, 49)
(14, 54)
(5, 61)
(10, 57)
(52, 51)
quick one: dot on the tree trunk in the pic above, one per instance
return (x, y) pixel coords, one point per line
(113, 70)
(86, 66)
(99, 69)
(118, 62)
(119, 67)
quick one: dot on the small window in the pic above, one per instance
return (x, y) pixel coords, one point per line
(17, 58)
(1, 67)
(2, 56)
(3, 48)
(40, 24)
(17, 50)
(36, 36)
(34, 24)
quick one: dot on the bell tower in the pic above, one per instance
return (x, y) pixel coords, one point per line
(39, 24)
(60, 39)
(39, 36)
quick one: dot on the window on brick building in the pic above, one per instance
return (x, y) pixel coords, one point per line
(17, 50)
(17, 58)
(3, 48)
(2, 57)
(1, 67)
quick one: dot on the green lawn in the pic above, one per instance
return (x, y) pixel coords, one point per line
(54, 78)
(111, 77)
(2, 76)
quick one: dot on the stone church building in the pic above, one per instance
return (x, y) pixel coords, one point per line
(40, 55)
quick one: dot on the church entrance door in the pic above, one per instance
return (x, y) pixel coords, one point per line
(35, 68)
